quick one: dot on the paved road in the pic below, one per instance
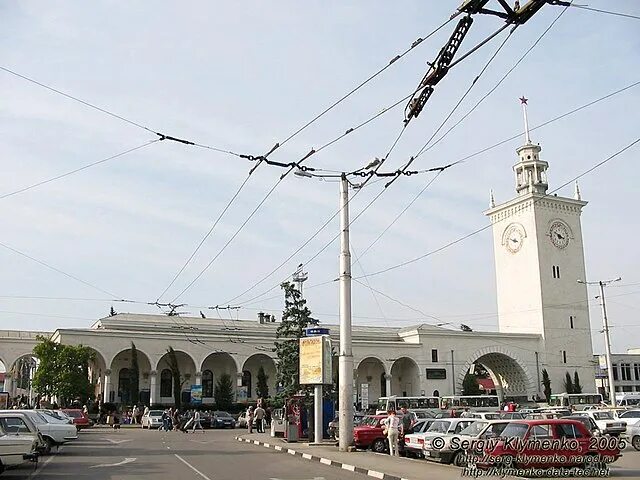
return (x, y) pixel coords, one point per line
(103, 454)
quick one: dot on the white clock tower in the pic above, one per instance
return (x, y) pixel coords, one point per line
(539, 257)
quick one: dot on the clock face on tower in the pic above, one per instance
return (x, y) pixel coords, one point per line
(514, 236)
(559, 234)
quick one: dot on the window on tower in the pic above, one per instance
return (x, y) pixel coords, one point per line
(571, 318)
(614, 367)
(434, 355)
(626, 371)
(564, 356)
(555, 271)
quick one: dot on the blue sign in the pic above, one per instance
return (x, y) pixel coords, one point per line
(315, 331)
(196, 394)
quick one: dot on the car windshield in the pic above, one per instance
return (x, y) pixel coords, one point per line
(474, 429)
(439, 426)
(37, 418)
(515, 430)
(492, 416)
(631, 414)
(51, 418)
(74, 413)
(370, 421)
(222, 414)
(603, 415)
(155, 413)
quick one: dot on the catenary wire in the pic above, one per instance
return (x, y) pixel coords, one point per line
(608, 12)
(479, 230)
(71, 172)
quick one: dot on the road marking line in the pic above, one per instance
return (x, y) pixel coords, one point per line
(123, 462)
(117, 442)
(191, 467)
(42, 465)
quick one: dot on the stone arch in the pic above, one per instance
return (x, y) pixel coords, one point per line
(121, 391)
(219, 363)
(509, 374)
(188, 373)
(405, 377)
(252, 367)
(19, 376)
(369, 372)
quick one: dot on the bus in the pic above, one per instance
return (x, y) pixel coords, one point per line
(628, 399)
(577, 401)
(478, 403)
(429, 404)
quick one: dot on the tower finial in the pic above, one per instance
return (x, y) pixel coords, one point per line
(523, 102)
(576, 193)
(492, 201)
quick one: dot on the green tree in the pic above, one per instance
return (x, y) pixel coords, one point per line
(470, 385)
(63, 371)
(134, 382)
(546, 384)
(577, 387)
(223, 392)
(568, 383)
(178, 381)
(262, 389)
(295, 318)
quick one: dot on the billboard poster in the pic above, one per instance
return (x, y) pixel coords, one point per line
(196, 394)
(315, 360)
(4, 400)
(242, 394)
(364, 395)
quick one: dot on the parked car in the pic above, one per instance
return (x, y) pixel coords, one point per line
(333, 427)
(16, 449)
(152, 419)
(606, 422)
(551, 429)
(632, 417)
(222, 420)
(412, 442)
(78, 417)
(486, 415)
(633, 433)
(369, 434)
(438, 427)
(53, 433)
(511, 416)
(17, 423)
(452, 452)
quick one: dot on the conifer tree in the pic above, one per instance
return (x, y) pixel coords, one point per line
(546, 383)
(577, 387)
(262, 389)
(568, 383)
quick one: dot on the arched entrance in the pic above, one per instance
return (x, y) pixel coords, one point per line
(128, 385)
(510, 376)
(19, 379)
(370, 371)
(250, 374)
(405, 377)
(187, 375)
(215, 365)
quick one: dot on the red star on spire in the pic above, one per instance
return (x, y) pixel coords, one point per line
(523, 100)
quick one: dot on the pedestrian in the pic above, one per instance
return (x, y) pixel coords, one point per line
(134, 415)
(465, 413)
(407, 420)
(259, 414)
(393, 427)
(250, 419)
(175, 420)
(196, 422)
(166, 421)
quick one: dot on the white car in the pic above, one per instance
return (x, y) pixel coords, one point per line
(413, 441)
(484, 415)
(451, 452)
(54, 432)
(152, 419)
(632, 417)
(15, 448)
(438, 427)
(606, 421)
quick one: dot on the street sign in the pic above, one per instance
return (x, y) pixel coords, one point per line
(314, 331)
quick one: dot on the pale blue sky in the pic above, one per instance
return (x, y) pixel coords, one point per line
(245, 75)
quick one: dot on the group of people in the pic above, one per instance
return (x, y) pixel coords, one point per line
(395, 426)
(173, 420)
(257, 415)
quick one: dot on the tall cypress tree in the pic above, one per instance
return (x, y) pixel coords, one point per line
(295, 318)
(546, 384)
(134, 382)
(262, 389)
(577, 387)
(568, 383)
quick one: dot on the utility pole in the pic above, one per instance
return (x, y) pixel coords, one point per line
(345, 365)
(607, 338)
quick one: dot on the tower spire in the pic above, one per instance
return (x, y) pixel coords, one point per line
(492, 200)
(523, 102)
(576, 193)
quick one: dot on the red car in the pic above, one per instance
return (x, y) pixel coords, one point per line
(79, 418)
(369, 434)
(548, 443)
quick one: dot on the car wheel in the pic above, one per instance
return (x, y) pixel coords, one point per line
(459, 459)
(379, 446)
(635, 442)
(49, 444)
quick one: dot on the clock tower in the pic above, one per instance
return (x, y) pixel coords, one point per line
(539, 257)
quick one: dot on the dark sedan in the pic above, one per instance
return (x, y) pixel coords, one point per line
(222, 420)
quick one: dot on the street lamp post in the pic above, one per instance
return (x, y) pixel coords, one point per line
(607, 338)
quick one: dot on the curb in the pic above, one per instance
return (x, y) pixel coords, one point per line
(324, 461)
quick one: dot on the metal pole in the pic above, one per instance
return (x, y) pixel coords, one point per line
(607, 347)
(537, 373)
(345, 365)
(453, 375)
(317, 413)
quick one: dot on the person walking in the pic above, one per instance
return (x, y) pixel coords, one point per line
(394, 426)
(259, 414)
(196, 422)
(407, 420)
(134, 415)
(465, 413)
(250, 419)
